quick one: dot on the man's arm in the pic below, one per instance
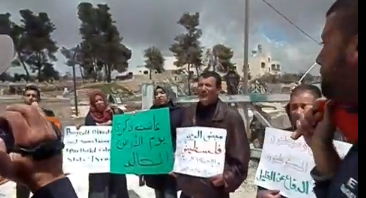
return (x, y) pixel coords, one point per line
(327, 162)
(61, 188)
(238, 153)
(347, 169)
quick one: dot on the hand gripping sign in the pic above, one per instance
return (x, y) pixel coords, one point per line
(6, 52)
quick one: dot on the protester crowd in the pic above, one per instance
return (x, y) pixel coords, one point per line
(31, 145)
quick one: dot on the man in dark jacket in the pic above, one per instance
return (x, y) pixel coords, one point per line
(334, 177)
(210, 111)
(165, 185)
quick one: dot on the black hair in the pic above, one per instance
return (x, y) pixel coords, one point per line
(317, 93)
(214, 75)
(348, 18)
(33, 88)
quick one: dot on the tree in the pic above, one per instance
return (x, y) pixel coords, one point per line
(73, 58)
(16, 32)
(222, 56)
(49, 73)
(6, 77)
(101, 48)
(187, 47)
(37, 43)
(154, 60)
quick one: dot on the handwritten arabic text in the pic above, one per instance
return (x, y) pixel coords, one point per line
(289, 183)
(200, 151)
(145, 141)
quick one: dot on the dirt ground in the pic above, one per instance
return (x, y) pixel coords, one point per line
(248, 189)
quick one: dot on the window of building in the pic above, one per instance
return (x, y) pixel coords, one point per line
(273, 67)
(263, 65)
(269, 59)
(278, 67)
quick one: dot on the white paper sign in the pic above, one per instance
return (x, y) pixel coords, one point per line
(7, 190)
(285, 164)
(87, 150)
(200, 151)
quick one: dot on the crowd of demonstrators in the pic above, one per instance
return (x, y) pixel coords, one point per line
(26, 131)
(104, 185)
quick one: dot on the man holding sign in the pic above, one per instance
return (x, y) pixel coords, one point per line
(218, 140)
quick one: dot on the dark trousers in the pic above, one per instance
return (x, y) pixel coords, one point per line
(166, 193)
(167, 190)
(22, 191)
(107, 185)
(224, 196)
(216, 196)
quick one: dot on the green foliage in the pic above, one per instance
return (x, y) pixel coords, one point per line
(101, 49)
(34, 45)
(154, 60)
(187, 47)
(223, 55)
(16, 32)
(6, 77)
(49, 73)
(39, 48)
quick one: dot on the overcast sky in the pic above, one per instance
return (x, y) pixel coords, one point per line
(144, 23)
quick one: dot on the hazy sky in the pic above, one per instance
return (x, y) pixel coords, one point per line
(144, 23)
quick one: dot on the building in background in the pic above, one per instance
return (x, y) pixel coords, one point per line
(260, 63)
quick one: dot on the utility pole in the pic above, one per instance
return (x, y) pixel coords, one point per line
(246, 68)
(246, 49)
(74, 80)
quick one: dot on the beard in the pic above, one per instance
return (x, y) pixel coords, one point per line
(332, 77)
(327, 88)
